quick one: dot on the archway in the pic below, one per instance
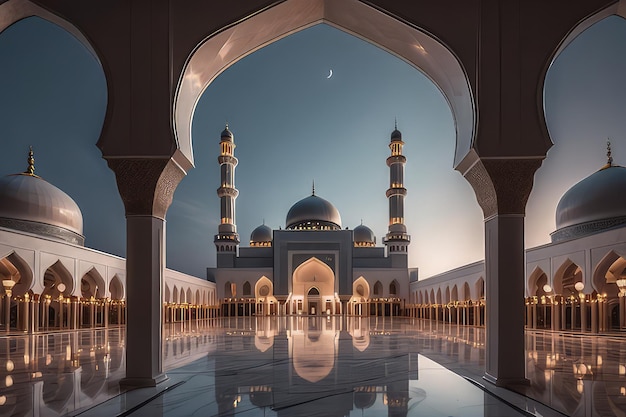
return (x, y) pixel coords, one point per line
(314, 288)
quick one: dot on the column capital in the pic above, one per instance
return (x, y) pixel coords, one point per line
(146, 185)
(502, 185)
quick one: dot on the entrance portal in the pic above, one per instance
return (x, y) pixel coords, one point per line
(313, 289)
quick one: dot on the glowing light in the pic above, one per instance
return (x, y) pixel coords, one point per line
(10, 365)
(547, 288)
(3, 399)
(8, 381)
(579, 286)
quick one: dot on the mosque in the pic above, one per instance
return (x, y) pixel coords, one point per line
(575, 283)
(313, 266)
(51, 281)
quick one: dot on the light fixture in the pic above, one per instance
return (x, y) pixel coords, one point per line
(579, 286)
(547, 288)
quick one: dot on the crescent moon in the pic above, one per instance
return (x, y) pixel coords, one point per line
(330, 75)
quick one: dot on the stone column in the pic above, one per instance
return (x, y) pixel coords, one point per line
(502, 187)
(147, 187)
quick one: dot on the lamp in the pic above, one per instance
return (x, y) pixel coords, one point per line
(621, 284)
(579, 286)
(547, 288)
(8, 285)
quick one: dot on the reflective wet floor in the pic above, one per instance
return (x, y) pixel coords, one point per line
(311, 366)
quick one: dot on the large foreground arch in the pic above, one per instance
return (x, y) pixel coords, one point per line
(503, 46)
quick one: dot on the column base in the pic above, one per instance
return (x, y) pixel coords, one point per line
(132, 383)
(505, 382)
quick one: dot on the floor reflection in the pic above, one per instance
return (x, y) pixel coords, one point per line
(291, 366)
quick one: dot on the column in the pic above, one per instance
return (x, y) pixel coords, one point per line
(502, 186)
(594, 316)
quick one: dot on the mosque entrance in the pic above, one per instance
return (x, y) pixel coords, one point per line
(313, 301)
(313, 289)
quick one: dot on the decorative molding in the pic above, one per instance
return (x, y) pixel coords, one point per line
(146, 185)
(43, 229)
(584, 229)
(502, 186)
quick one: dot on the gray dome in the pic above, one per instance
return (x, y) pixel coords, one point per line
(314, 212)
(31, 204)
(363, 234)
(396, 134)
(261, 234)
(593, 204)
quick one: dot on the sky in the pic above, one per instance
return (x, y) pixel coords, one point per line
(293, 126)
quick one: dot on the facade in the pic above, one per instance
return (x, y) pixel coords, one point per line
(575, 283)
(51, 281)
(313, 266)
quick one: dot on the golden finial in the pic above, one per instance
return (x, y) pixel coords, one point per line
(31, 163)
(609, 158)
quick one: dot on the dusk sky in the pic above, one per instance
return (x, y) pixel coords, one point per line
(293, 125)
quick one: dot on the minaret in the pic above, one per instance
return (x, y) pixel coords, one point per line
(396, 240)
(227, 239)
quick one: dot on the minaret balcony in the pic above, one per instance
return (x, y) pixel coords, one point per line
(396, 159)
(227, 192)
(396, 191)
(227, 159)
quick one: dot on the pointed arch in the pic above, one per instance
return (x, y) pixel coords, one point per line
(54, 276)
(361, 288)
(15, 268)
(225, 47)
(438, 297)
(247, 289)
(566, 276)
(189, 296)
(611, 267)
(175, 299)
(378, 289)
(393, 287)
(116, 288)
(480, 288)
(92, 284)
(263, 288)
(454, 294)
(313, 272)
(536, 281)
(467, 294)
(432, 296)
(446, 299)
(167, 294)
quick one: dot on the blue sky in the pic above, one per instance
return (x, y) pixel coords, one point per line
(293, 125)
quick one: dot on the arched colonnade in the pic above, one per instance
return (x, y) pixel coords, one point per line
(488, 58)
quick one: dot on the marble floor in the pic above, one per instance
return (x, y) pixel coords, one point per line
(311, 366)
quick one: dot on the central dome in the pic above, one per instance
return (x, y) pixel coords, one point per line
(313, 213)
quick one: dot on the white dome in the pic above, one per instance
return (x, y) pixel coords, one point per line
(593, 204)
(31, 204)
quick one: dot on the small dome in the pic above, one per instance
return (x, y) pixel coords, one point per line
(227, 134)
(315, 213)
(593, 204)
(31, 204)
(396, 134)
(260, 235)
(363, 236)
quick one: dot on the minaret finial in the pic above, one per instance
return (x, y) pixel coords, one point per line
(313, 190)
(31, 163)
(609, 158)
(395, 123)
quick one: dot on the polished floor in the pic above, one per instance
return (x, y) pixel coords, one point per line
(311, 366)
